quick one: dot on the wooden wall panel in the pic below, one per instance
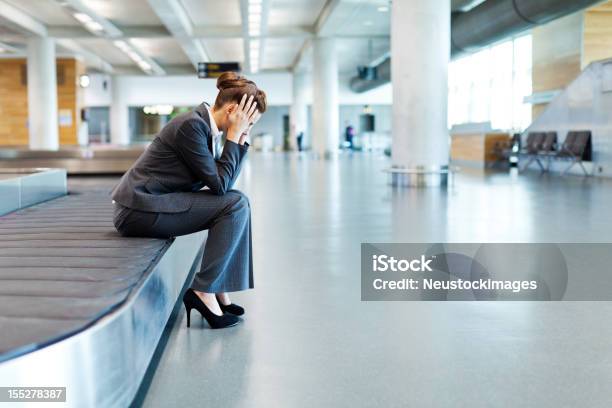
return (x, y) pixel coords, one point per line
(556, 73)
(68, 99)
(477, 147)
(597, 41)
(556, 55)
(14, 101)
(467, 147)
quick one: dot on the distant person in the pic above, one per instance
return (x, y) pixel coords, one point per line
(349, 133)
(162, 196)
(300, 138)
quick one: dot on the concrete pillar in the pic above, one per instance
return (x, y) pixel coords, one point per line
(420, 51)
(299, 109)
(42, 94)
(325, 112)
(119, 113)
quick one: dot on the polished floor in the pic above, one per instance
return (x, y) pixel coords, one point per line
(308, 341)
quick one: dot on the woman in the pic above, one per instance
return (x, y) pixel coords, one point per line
(182, 184)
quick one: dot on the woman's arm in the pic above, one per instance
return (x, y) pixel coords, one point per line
(192, 137)
(191, 144)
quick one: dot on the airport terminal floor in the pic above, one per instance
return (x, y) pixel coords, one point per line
(336, 118)
(308, 340)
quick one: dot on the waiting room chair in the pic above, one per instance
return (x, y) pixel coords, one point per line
(547, 149)
(532, 146)
(576, 148)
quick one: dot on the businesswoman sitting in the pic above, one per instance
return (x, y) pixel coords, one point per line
(182, 184)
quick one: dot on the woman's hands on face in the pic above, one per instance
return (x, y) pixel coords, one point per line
(247, 132)
(241, 118)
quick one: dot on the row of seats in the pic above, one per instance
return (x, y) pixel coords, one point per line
(542, 148)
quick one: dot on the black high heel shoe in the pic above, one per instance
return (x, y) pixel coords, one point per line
(232, 308)
(193, 301)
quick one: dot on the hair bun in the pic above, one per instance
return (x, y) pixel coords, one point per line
(233, 87)
(228, 79)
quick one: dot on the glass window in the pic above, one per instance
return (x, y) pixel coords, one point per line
(146, 121)
(98, 124)
(489, 86)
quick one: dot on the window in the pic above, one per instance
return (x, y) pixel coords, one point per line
(489, 86)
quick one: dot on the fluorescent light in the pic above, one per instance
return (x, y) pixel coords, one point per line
(121, 45)
(254, 44)
(88, 22)
(158, 109)
(255, 8)
(82, 17)
(255, 19)
(254, 32)
(255, 1)
(383, 9)
(94, 26)
(135, 57)
(367, 23)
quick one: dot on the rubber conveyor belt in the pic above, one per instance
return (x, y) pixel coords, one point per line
(62, 267)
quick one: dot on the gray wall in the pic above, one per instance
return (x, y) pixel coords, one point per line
(349, 114)
(272, 122)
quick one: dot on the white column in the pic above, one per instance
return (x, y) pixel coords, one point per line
(42, 94)
(325, 112)
(299, 109)
(119, 114)
(420, 51)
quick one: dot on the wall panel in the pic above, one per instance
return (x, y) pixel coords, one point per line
(14, 101)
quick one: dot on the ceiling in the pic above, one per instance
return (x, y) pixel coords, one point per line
(171, 36)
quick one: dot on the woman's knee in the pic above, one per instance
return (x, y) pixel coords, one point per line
(241, 199)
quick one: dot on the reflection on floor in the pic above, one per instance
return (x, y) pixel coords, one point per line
(308, 340)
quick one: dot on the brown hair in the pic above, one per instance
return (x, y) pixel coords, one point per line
(233, 86)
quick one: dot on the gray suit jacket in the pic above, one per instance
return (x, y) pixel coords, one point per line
(179, 162)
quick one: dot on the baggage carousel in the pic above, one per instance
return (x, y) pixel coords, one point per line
(20, 188)
(80, 306)
(101, 159)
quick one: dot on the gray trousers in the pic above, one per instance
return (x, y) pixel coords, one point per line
(227, 265)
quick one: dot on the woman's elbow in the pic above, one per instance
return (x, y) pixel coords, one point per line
(218, 190)
(218, 187)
